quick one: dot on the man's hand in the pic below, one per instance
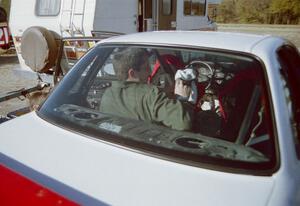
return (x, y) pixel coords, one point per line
(181, 89)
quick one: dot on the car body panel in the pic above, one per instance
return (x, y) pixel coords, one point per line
(290, 165)
(97, 168)
(209, 39)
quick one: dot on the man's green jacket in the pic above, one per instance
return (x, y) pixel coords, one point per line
(146, 102)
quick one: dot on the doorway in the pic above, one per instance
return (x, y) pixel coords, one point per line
(145, 15)
(167, 15)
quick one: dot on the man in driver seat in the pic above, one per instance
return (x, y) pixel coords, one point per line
(132, 97)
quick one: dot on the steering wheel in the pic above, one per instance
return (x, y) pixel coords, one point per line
(204, 71)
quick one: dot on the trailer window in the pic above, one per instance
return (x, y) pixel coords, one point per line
(167, 7)
(47, 7)
(194, 7)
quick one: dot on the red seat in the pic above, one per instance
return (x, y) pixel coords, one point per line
(168, 59)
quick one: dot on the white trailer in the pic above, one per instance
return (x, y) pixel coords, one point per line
(70, 18)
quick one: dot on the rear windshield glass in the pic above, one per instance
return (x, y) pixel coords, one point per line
(187, 105)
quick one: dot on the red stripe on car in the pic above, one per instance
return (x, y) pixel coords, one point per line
(16, 189)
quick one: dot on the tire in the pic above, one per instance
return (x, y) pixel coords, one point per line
(39, 49)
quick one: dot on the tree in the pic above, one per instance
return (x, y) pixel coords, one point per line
(253, 11)
(227, 11)
(259, 11)
(285, 11)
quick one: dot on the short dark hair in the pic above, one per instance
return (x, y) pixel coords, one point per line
(129, 58)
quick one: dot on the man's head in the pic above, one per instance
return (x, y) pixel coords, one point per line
(132, 64)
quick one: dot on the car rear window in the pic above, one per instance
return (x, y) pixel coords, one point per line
(129, 95)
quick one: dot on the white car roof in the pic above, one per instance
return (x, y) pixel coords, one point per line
(212, 39)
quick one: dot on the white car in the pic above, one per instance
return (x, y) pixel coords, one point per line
(242, 147)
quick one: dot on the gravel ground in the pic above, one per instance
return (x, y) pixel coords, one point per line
(9, 81)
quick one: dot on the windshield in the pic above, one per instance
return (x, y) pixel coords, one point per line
(187, 105)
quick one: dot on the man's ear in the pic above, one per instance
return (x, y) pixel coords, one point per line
(131, 74)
